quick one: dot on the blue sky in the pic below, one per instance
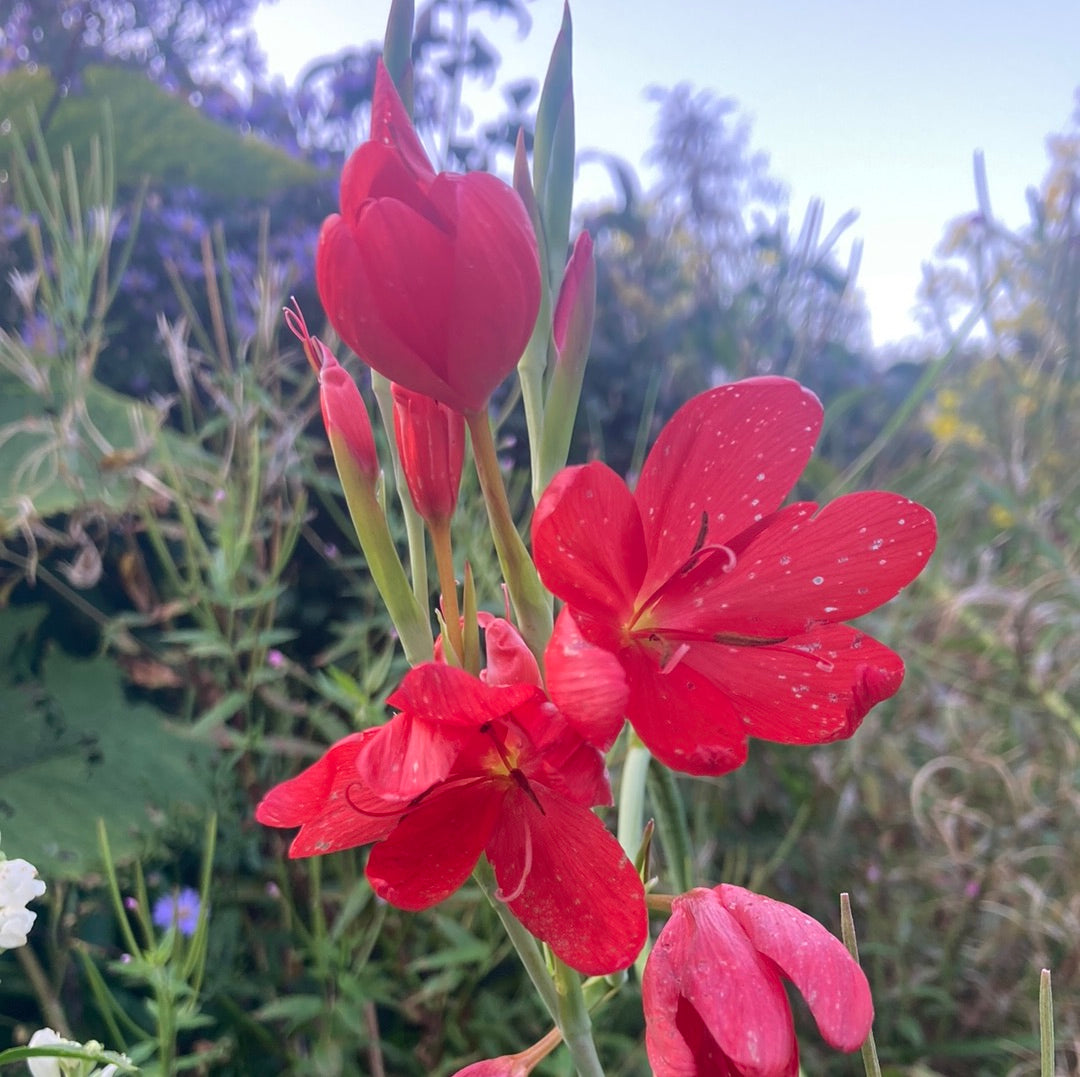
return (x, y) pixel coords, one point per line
(873, 106)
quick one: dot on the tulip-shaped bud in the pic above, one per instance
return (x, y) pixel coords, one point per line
(434, 280)
(712, 991)
(344, 413)
(572, 326)
(431, 440)
(576, 308)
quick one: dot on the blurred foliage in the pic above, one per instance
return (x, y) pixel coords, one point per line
(191, 547)
(166, 140)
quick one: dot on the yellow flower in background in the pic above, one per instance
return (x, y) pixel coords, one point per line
(1001, 517)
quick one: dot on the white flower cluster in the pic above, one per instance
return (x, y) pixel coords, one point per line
(19, 884)
(64, 1067)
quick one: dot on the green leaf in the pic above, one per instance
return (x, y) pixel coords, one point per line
(159, 136)
(75, 751)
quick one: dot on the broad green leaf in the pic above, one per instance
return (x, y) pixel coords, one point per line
(75, 751)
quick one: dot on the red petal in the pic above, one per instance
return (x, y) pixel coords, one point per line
(704, 957)
(808, 690)
(581, 895)
(327, 801)
(815, 961)
(727, 457)
(586, 683)
(390, 124)
(347, 294)
(432, 851)
(407, 756)
(800, 571)
(495, 294)
(509, 660)
(588, 543)
(685, 720)
(447, 695)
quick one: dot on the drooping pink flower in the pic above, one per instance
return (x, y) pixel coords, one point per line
(712, 991)
(434, 280)
(468, 768)
(723, 608)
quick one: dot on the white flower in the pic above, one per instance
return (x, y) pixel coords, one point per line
(15, 925)
(18, 885)
(47, 1067)
(64, 1067)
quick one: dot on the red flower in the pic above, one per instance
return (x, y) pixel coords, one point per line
(467, 768)
(431, 439)
(722, 607)
(434, 280)
(712, 992)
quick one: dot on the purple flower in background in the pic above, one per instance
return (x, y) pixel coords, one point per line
(179, 910)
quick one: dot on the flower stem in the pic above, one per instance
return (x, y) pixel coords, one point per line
(574, 1021)
(532, 603)
(635, 771)
(444, 563)
(526, 945)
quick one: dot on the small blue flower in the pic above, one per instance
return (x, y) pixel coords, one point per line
(179, 910)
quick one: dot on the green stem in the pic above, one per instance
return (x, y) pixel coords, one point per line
(575, 1023)
(532, 603)
(525, 943)
(635, 771)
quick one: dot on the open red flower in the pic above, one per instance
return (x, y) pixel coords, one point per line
(722, 607)
(466, 768)
(712, 992)
(434, 280)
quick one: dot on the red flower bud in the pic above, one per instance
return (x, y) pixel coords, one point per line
(344, 413)
(434, 280)
(576, 306)
(431, 440)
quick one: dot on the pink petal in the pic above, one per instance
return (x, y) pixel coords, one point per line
(503, 1066)
(347, 297)
(586, 683)
(815, 961)
(576, 889)
(808, 690)
(726, 458)
(704, 957)
(588, 543)
(433, 850)
(328, 802)
(803, 570)
(449, 696)
(685, 720)
(509, 660)
(495, 293)
(390, 124)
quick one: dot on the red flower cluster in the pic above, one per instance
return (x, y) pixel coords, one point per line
(434, 280)
(466, 767)
(723, 608)
(712, 991)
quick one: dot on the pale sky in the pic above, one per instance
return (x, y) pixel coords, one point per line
(868, 105)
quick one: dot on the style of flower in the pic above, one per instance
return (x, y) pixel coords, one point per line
(723, 608)
(712, 991)
(434, 280)
(179, 910)
(431, 440)
(19, 885)
(469, 767)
